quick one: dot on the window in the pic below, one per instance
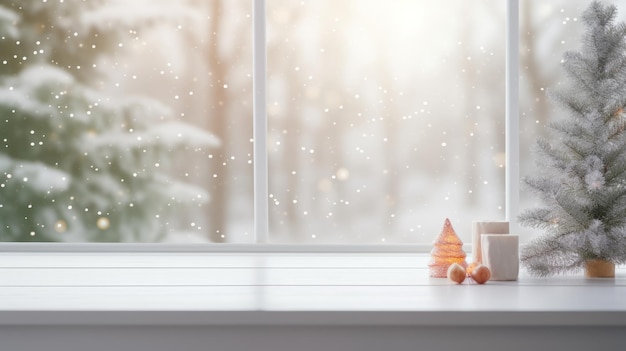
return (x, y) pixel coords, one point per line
(125, 121)
(382, 120)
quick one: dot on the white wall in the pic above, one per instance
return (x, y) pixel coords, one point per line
(308, 338)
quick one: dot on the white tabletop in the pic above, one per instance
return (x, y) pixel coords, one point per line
(255, 288)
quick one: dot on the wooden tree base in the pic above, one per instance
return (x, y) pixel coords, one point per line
(599, 269)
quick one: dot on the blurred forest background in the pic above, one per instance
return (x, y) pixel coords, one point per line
(384, 117)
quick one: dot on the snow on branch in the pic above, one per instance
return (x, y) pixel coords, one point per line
(40, 177)
(133, 14)
(8, 21)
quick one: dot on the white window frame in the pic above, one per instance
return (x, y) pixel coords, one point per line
(261, 172)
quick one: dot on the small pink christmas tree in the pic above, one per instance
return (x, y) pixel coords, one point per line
(447, 249)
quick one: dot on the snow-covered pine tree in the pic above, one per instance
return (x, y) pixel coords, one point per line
(75, 164)
(583, 166)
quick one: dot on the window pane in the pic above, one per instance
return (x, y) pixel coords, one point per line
(385, 118)
(547, 30)
(125, 120)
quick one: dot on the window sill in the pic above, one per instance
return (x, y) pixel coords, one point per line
(254, 289)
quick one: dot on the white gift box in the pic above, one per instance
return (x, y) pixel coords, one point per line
(485, 227)
(500, 253)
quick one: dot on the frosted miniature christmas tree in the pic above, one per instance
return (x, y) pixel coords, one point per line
(582, 174)
(447, 249)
